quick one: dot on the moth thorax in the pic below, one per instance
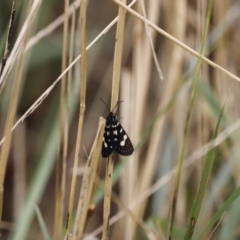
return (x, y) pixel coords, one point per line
(111, 119)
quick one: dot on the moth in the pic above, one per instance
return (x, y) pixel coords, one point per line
(115, 138)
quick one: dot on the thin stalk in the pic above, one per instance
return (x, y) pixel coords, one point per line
(69, 84)
(14, 100)
(61, 163)
(118, 56)
(7, 45)
(107, 197)
(88, 183)
(115, 93)
(206, 170)
(71, 51)
(9, 124)
(83, 76)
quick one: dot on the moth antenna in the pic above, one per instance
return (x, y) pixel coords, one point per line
(117, 105)
(105, 104)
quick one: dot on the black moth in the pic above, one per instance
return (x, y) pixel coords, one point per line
(115, 138)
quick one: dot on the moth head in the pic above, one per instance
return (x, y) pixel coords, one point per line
(111, 118)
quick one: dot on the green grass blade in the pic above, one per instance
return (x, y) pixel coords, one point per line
(219, 213)
(42, 223)
(207, 166)
(231, 222)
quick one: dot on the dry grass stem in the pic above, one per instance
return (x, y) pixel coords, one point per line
(8, 133)
(71, 54)
(69, 236)
(142, 70)
(51, 27)
(184, 46)
(63, 137)
(107, 197)
(83, 72)
(129, 175)
(88, 183)
(9, 34)
(135, 218)
(215, 228)
(118, 56)
(114, 99)
(19, 157)
(13, 106)
(40, 35)
(148, 33)
(19, 44)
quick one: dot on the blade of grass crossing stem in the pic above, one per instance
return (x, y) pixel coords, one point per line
(42, 224)
(207, 166)
(219, 214)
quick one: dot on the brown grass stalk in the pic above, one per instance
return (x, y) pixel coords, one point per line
(83, 75)
(62, 144)
(129, 175)
(141, 75)
(20, 43)
(9, 123)
(107, 196)
(19, 158)
(13, 104)
(88, 183)
(7, 44)
(115, 93)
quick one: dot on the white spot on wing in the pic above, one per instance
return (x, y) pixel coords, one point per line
(115, 139)
(108, 133)
(105, 145)
(121, 130)
(115, 132)
(114, 126)
(122, 143)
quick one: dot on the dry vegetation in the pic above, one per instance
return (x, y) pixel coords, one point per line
(175, 64)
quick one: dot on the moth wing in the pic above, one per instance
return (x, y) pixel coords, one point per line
(123, 145)
(107, 147)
